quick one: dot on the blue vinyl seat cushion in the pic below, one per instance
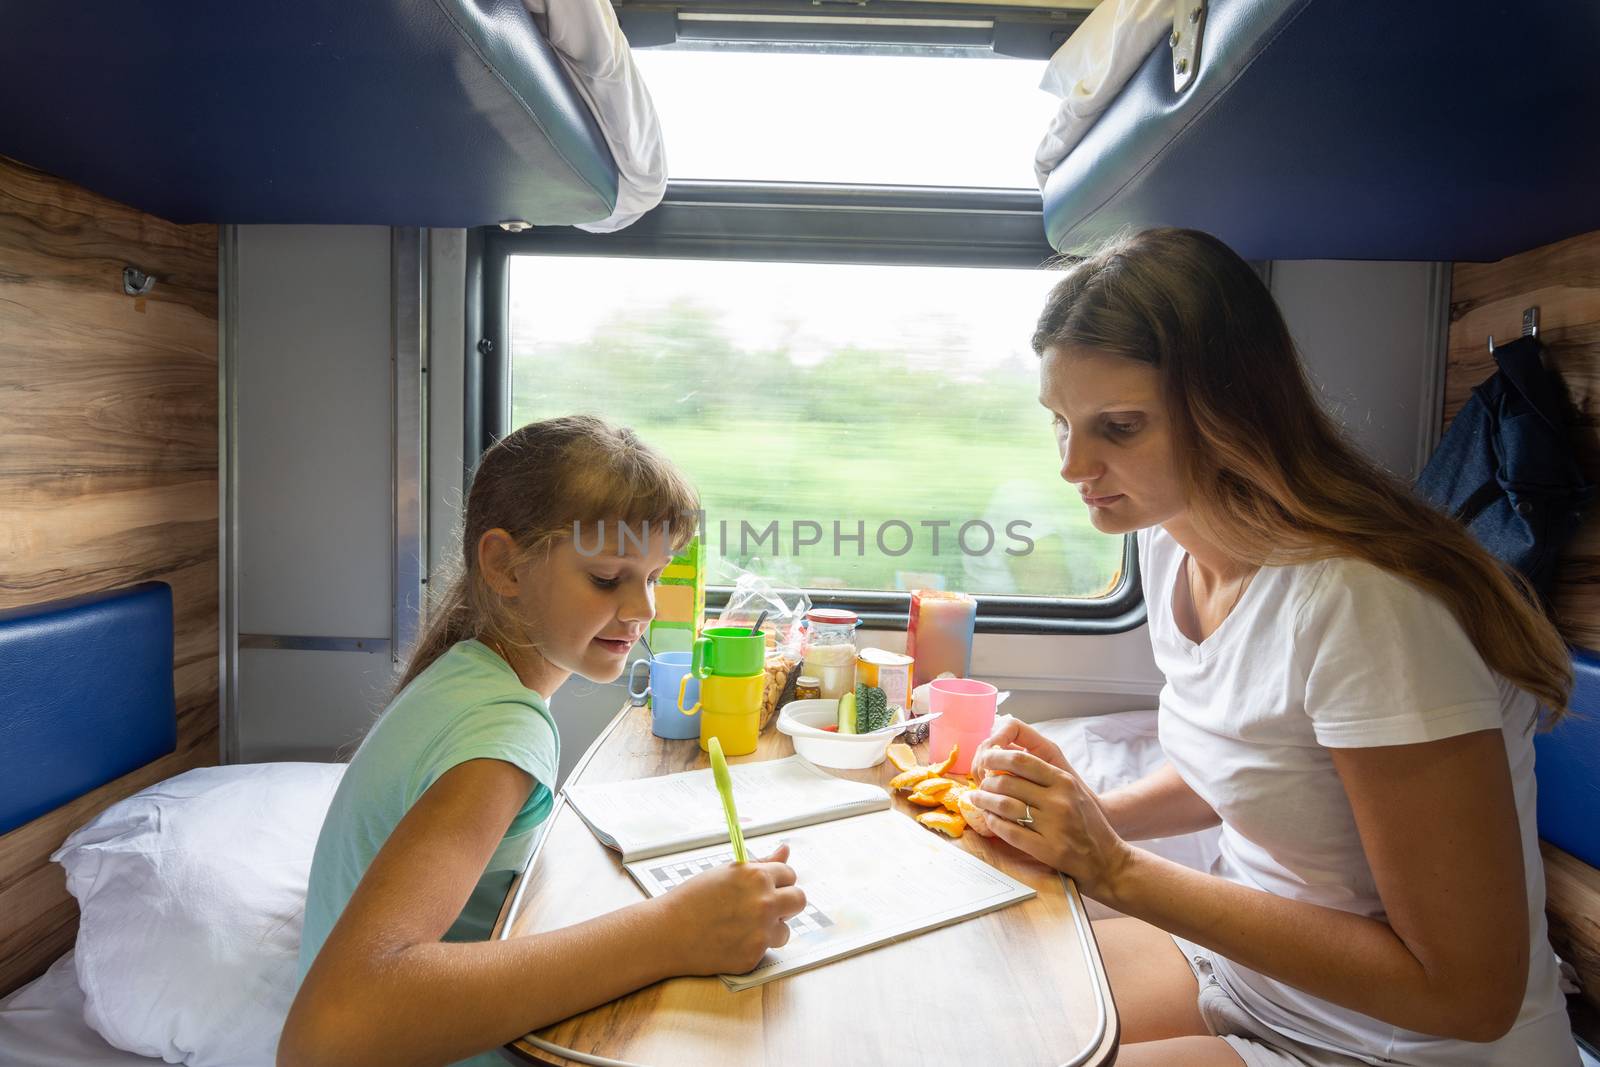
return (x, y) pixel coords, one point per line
(1567, 762)
(86, 695)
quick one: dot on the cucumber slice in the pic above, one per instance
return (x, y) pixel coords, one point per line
(847, 713)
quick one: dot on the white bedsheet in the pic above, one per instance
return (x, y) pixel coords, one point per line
(1090, 69)
(592, 48)
(41, 1025)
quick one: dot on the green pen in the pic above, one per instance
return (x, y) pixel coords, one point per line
(719, 773)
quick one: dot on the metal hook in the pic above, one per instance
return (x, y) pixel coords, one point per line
(136, 282)
(1530, 325)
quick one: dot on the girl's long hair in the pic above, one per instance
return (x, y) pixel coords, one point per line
(1271, 479)
(536, 484)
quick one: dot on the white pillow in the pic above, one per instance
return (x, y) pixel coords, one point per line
(192, 895)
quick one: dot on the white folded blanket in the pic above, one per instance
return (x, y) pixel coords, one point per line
(1092, 66)
(592, 48)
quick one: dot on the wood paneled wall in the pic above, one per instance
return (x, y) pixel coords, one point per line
(108, 473)
(1563, 280)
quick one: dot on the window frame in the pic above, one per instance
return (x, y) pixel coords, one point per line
(1005, 28)
(797, 223)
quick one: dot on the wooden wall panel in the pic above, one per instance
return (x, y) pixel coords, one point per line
(108, 474)
(1563, 280)
(1574, 910)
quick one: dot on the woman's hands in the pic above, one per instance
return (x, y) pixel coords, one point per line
(1008, 734)
(725, 919)
(1022, 774)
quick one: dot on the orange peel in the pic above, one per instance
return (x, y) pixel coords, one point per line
(911, 778)
(901, 755)
(943, 821)
(933, 787)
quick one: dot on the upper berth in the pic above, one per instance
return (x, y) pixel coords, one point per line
(1351, 129)
(449, 113)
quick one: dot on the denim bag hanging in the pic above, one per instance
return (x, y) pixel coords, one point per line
(1505, 468)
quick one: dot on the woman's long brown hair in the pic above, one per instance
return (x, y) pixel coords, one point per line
(1272, 480)
(536, 483)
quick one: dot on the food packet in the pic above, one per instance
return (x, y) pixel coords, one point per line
(939, 633)
(786, 609)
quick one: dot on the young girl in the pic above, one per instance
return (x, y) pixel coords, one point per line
(437, 811)
(1351, 689)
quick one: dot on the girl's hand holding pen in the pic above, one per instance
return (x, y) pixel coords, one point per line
(1037, 803)
(726, 919)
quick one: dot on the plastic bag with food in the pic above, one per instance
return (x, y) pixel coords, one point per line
(753, 595)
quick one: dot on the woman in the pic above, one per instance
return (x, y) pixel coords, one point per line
(1352, 686)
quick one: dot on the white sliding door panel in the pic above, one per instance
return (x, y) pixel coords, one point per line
(313, 422)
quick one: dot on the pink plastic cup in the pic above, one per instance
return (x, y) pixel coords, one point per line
(966, 719)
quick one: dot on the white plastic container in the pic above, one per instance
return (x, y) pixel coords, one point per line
(802, 720)
(831, 650)
(834, 666)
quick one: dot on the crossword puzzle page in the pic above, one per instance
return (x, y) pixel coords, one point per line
(854, 872)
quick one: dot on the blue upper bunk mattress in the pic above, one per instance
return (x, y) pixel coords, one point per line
(1354, 129)
(394, 112)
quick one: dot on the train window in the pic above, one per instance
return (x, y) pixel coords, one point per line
(826, 323)
(850, 426)
(928, 118)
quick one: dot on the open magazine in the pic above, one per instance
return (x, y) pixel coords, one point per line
(646, 817)
(857, 857)
(855, 873)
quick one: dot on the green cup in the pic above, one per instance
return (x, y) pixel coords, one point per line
(731, 651)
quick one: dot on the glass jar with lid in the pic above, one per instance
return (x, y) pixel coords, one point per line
(831, 650)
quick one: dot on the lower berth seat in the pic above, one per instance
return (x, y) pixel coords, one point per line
(44, 1022)
(1568, 766)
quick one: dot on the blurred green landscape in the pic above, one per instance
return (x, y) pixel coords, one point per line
(852, 435)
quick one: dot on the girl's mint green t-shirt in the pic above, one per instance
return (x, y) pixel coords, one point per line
(468, 704)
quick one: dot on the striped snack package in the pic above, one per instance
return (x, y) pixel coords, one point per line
(680, 600)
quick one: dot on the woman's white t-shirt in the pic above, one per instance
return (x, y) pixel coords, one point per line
(1335, 654)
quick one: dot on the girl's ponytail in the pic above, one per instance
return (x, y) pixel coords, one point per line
(448, 619)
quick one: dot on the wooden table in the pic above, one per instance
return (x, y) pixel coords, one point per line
(1019, 986)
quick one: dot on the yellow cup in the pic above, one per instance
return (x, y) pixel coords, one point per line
(730, 709)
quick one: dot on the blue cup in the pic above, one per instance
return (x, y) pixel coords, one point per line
(666, 672)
